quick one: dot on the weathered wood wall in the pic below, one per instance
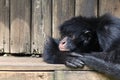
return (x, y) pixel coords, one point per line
(25, 24)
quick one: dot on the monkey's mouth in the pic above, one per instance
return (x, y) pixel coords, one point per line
(63, 48)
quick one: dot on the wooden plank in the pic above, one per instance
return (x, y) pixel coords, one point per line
(4, 26)
(62, 10)
(22, 64)
(26, 75)
(79, 75)
(109, 6)
(28, 64)
(86, 8)
(41, 24)
(20, 26)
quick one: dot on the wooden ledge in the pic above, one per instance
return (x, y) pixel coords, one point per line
(29, 63)
(12, 68)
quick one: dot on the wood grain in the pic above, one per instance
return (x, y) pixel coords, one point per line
(109, 6)
(79, 75)
(26, 75)
(86, 8)
(41, 24)
(4, 26)
(20, 26)
(24, 67)
(29, 64)
(62, 10)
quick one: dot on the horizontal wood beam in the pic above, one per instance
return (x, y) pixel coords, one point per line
(25, 66)
(30, 63)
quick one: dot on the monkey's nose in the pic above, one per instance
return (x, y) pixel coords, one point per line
(63, 42)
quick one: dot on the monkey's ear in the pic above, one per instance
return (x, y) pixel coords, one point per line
(87, 37)
(87, 32)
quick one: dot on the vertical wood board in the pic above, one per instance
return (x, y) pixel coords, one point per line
(62, 10)
(20, 26)
(109, 6)
(86, 8)
(41, 24)
(4, 26)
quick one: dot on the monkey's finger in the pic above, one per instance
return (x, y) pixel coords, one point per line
(75, 54)
(79, 61)
(78, 64)
(68, 64)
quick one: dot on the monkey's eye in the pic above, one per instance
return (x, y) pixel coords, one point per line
(62, 36)
(72, 36)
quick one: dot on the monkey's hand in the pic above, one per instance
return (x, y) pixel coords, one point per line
(74, 61)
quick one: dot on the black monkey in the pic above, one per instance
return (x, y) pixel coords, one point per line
(93, 41)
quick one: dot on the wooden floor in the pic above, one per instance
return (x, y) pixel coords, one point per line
(29, 68)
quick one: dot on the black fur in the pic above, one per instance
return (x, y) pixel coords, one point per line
(100, 52)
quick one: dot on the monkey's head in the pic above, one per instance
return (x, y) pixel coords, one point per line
(74, 34)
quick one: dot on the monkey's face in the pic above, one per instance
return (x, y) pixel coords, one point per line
(71, 41)
(66, 44)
